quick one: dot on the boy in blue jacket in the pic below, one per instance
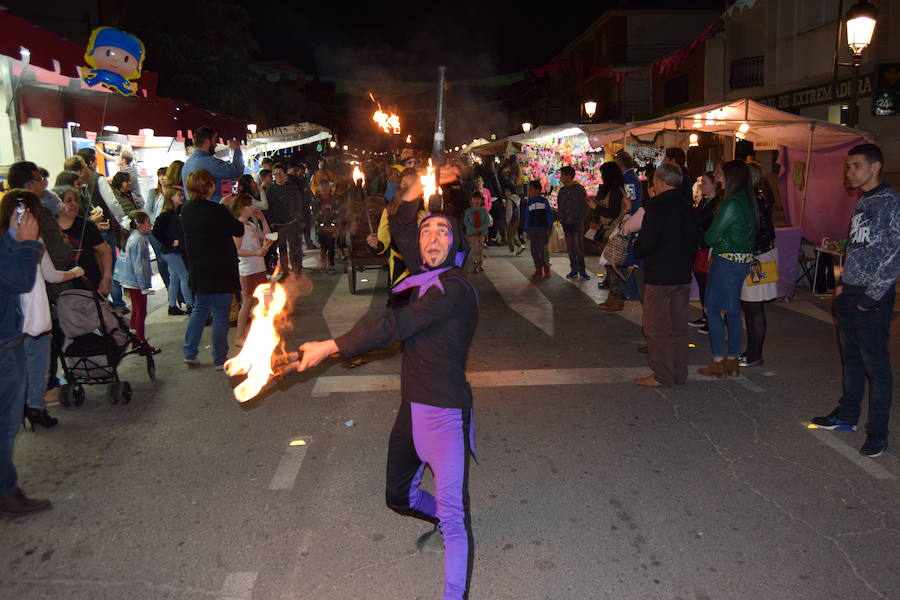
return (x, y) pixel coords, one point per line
(538, 223)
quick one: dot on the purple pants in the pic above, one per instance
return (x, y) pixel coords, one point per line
(440, 438)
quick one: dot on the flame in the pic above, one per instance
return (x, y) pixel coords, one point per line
(358, 175)
(428, 184)
(255, 358)
(387, 122)
(409, 139)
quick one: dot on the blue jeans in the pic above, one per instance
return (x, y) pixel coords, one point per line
(37, 356)
(115, 289)
(178, 278)
(12, 407)
(161, 265)
(723, 294)
(864, 346)
(204, 304)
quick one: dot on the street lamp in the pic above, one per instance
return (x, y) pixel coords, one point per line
(526, 127)
(590, 108)
(861, 19)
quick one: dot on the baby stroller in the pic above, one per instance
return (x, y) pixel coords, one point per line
(97, 339)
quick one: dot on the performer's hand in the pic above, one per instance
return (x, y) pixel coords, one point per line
(413, 192)
(372, 240)
(449, 174)
(315, 352)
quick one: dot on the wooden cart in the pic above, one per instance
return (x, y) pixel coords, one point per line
(360, 254)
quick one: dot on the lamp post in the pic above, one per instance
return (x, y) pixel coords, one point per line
(861, 19)
(590, 108)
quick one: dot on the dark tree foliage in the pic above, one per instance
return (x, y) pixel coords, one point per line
(202, 50)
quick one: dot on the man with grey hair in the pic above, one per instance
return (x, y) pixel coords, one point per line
(126, 165)
(667, 243)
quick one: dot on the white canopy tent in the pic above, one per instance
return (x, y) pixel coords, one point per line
(757, 122)
(741, 119)
(547, 132)
(289, 136)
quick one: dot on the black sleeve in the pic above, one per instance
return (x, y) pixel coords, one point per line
(160, 229)
(405, 234)
(651, 231)
(420, 314)
(234, 227)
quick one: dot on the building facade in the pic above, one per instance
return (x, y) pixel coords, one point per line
(782, 53)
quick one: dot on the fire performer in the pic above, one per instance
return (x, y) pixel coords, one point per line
(434, 423)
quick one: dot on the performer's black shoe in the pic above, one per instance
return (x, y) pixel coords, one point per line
(431, 541)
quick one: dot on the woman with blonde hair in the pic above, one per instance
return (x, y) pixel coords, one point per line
(173, 175)
(213, 264)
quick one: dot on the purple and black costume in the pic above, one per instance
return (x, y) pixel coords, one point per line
(434, 423)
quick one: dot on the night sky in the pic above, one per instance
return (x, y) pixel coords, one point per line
(389, 41)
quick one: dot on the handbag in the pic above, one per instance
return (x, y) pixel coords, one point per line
(762, 273)
(701, 261)
(616, 249)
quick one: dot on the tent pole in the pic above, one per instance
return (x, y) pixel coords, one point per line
(812, 128)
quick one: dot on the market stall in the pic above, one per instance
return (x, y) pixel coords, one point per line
(811, 155)
(545, 149)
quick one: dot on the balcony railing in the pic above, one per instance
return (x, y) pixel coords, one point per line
(748, 72)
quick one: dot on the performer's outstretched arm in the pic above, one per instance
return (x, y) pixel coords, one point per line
(432, 308)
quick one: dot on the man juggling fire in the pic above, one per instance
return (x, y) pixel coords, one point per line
(434, 423)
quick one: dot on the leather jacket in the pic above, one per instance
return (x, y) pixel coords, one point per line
(733, 230)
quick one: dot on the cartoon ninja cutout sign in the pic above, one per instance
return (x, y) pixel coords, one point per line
(115, 58)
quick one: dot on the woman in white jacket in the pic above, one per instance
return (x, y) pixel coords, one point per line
(36, 324)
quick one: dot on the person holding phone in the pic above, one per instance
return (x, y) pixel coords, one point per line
(20, 253)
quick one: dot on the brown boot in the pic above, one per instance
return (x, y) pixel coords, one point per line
(713, 369)
(612, 304)
(732, 367)
(18, 504)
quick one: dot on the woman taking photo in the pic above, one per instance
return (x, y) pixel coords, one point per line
(169, 232)
(711, 195)
(35, 308)
(731, 236)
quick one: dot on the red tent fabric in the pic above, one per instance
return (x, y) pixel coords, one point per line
(55, 107)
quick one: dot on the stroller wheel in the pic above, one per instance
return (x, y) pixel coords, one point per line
(65, 395)
(125, 393)
(78, 395)
(151, 368)
(112, 392)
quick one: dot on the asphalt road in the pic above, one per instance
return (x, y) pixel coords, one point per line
(587, 486)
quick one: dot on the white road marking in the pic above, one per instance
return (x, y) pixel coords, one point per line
(521, 294)
(865, 463)
(289, 467)
(238, 586)
(343, 309)
(526, 378)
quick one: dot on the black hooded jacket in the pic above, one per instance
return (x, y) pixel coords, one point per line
(436, 327)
